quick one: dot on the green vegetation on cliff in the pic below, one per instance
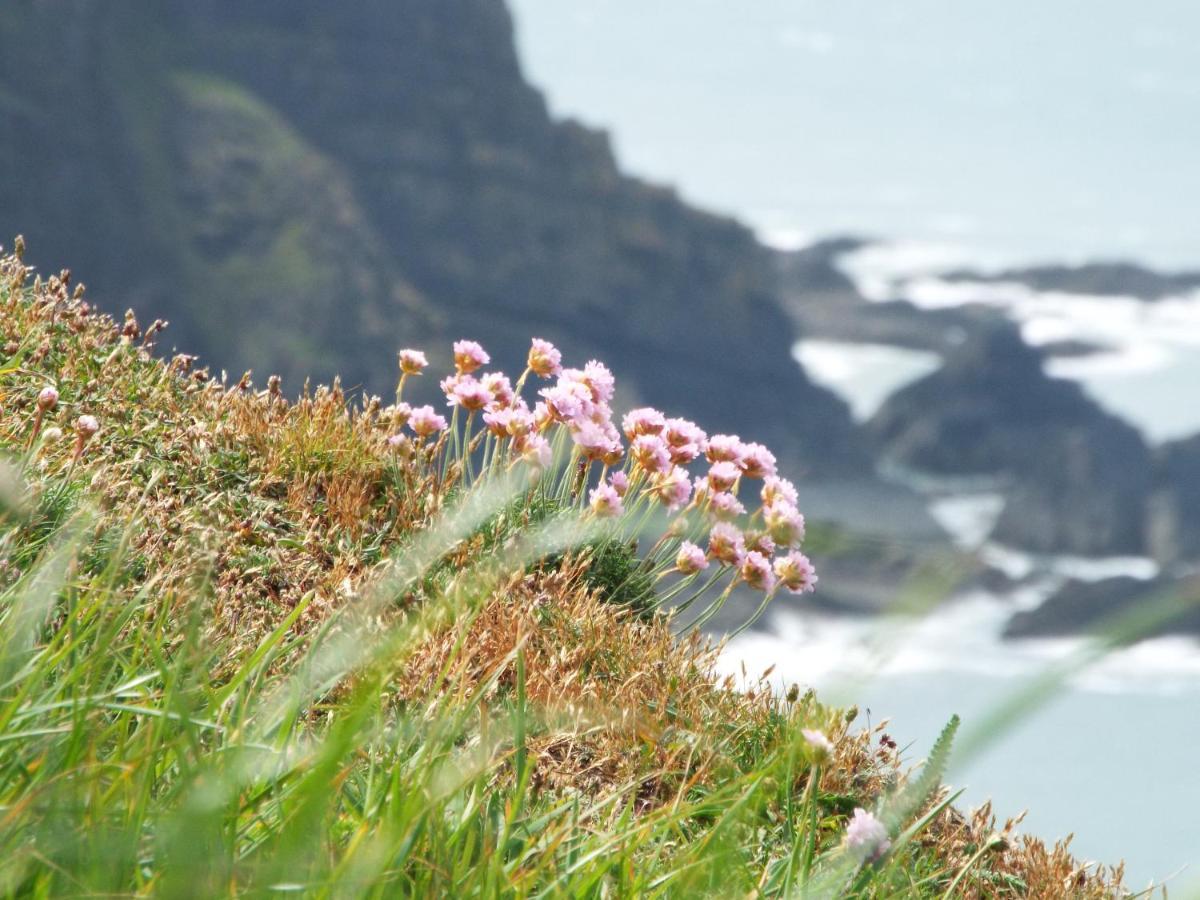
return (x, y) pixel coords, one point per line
(251, 646)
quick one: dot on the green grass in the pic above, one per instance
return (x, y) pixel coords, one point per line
(248, 650)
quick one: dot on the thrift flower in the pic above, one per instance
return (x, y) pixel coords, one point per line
(756, 571)
(796, 572)
(724, 448)
(761, 542)
(685, 440)
(775, 489)
(784, 523)
(690, 559)
(469, 356)
(544, 359)
(725, 543)
(597, 376)
(643, 421)
(499, 387)
(425, 421)
(725, 507)
(470, 394)
(400, 413)
(412, 362)
(397, 442)
(567, 400)
(866, 837)
(757, 461)
(509, 421)
(536, 451)
(723, 475)
(620, 482)
(591, 439)
(650, 452)
(673, 489)
(606, 502)
(822, 747)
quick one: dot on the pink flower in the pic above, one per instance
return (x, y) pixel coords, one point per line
(724, 448)
(567, 400)
(544, 359)
(726, 544)
(425, 421)
(757, 461)
(469, 356)
(725, 507)
(597, 376)
(643, 421)
(691, 559)
(412, 362)
(397, 442)
(650, 452)
(723, 475)
(796, 572)
(620, 482)
(685, 441)
(400, 414)
(866, 837)
(448, 384)
(536, 451)
(822, 746)
(542, 417)
(47, 399)
(509, 421)
(606, 502)
(784, 523)
(775, 489)
(499, 386)
(761, 542)
(591, 439)
(470, 393)
(756, 571)
(673, 488)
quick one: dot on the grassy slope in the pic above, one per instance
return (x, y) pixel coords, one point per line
(244, 645)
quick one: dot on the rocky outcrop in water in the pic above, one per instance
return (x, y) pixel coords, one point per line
(1125, 606)
(1114, 279)
(1077, 479)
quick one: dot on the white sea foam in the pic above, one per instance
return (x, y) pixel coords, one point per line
(1149, 351)
(865, 375)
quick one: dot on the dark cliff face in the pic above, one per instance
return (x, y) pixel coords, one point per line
(303, 187)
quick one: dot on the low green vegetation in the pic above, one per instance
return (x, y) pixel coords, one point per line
(252, 646)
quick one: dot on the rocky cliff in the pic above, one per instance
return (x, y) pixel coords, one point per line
(302, 187)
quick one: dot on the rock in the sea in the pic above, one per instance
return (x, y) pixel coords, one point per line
(1115, 279)
(1077, 479)
(1081, 607)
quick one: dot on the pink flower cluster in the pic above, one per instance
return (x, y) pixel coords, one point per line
(644, 461)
